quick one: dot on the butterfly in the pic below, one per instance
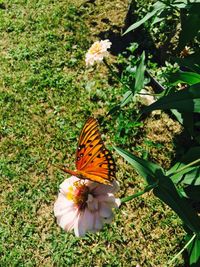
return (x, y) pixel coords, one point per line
(93, 161)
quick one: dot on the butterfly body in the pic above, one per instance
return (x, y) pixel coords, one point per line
(93, 161)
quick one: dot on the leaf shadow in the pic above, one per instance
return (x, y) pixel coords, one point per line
(140, 35)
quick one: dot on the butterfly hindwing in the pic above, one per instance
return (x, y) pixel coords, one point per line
(93, 160)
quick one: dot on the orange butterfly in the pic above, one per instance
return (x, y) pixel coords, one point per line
(93, 161)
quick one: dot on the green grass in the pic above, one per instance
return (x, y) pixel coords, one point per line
(45, 96)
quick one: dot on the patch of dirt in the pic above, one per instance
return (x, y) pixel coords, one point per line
(105, 15)
(107, 20)
(162, 131)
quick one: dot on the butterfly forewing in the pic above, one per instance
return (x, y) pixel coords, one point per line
(93, 160)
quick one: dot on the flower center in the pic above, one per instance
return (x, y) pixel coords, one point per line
(78, 193)
(95, 48)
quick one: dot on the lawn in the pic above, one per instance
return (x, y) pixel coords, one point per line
(46, 94)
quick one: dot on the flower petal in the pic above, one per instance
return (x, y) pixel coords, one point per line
(105, 211)
(88, 218)
(97, 222)
(85, 223)
(79, 229)
(97, 52)
(60, 212)
(67, 183)
(92, 203)
(102, 189)
(68, 220)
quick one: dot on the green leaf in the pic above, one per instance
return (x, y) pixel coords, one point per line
(167, 192)
(158, 6)
(127, 97)
(194, 252)
(180, 4)
(178, 115)
(139, 77)
(114, 109)
(147, 170)
(189, 175)
(192, 177)
(185, 77)
(188, 122)
(157, 20)
(186, 100)
(165, 189)
(190, 25)
(139, 84)
(191, 61)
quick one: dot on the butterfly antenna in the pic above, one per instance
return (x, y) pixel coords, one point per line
(62, 168)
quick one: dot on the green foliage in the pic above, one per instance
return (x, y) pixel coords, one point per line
(164, 189)
(156, 10)
(194, 252)
(179, 187)
(190, 24)
(132, 78)
(187, 100)
(188, 11)
(139, 75)
(184, 77)
(192, 61)
(184, 173)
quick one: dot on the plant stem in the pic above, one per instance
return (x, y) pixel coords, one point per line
(114, 74)
(181, 251)
(147, 189)
(188, 165)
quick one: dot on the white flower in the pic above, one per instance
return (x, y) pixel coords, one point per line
(85, 205)
(97, 52)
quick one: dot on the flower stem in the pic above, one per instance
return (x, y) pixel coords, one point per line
(146, 189)
(181, 251)
(114, 74)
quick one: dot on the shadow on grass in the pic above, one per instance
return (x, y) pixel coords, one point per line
(140, 35)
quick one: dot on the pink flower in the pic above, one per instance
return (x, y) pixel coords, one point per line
(84, 206)
(97, 52)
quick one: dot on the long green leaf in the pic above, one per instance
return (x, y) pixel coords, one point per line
(185, 77)
(146, 169)
(170, 196)
(139, 77)
(191, 61)
(190, 25)
(165, 189)
(158, 6)
(186, 100)
(187, 176)
(191, 173)
(194, 252)
(127, 97)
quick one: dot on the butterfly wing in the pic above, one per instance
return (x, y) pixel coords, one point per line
(93, 160)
